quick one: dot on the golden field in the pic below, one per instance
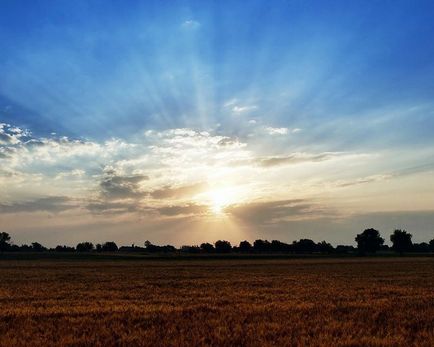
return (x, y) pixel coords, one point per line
(204, 302)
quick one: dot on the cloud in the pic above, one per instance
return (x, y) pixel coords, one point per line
(11, 135)
(47, 204)
(281, 131)
(115, 186)
(183, 210)
(270, 212)
(277, 131)
(110, 207)
(190, 24)
(177, 192)
(293, 159)
(242, 109)
(368, 179)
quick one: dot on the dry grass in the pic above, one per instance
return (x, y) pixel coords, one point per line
(328, 302)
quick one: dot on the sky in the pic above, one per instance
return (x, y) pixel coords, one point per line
(183, 122)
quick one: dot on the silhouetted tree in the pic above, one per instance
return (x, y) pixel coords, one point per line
(369, 241)
(278, 246)
(64, 249)
(26, 248)
(190, 249)
(422, 247)
(431, 245)
(4, 242)
(37, 247)
(222, 246)
(401, 241)
(245, 246)
(84, 247)
(207, 247)
(342, 249)
(304, 246)
(168, 249)
(324, 247)
(109, 247)
(150, 247)
(261, 246)
(98, 247)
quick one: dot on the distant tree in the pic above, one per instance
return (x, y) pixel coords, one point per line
(64, 249)
(207, 247)
(222, 246)
(342, 249)
(37, 247)
(401, 241)
(369, 240)
(304, 246)
(151, 248)
(98, 247)
(278, 246)
(261, 246)
(422, 247)
(109, 247)
(324, 247)
(4, 242)
(25, 248)
(431, 245)
(245, 246)
(84, 247)
(190, 249)
(169, 249)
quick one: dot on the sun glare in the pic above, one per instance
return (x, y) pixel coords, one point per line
(219, 199)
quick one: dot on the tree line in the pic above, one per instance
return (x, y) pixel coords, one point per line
(368, 242)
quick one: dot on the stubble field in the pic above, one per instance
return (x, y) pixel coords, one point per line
(257, 302)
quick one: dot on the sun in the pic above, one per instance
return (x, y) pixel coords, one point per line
(219, 198)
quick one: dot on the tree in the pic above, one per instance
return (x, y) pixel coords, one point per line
(324, 247)
(60, 248)
(207, 247)
(304, 246)
(37, 247)
(422, 247)
(222, 246)
(261, 245)
(369, 240)
(4, 241)
(84, 247)
(401, 241)
(109, 247)
(245, 246)
(431, 245)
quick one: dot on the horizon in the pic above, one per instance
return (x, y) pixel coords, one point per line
(203, 120)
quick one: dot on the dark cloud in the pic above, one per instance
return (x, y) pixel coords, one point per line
(285, 160)
(47, 204)
(190, 209)
(292, 159)
(121, 187)
(177, 192)
(272, 211)
(108, 207)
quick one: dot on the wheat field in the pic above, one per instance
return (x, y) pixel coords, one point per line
(257, 302)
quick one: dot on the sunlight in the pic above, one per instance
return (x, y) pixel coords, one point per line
(220, 198)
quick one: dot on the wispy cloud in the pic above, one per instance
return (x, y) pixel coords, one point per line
(51, 204)
(190, 24)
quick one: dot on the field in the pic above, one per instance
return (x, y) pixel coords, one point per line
(208, 302)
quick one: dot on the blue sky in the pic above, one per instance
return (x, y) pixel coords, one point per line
(276, 79)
